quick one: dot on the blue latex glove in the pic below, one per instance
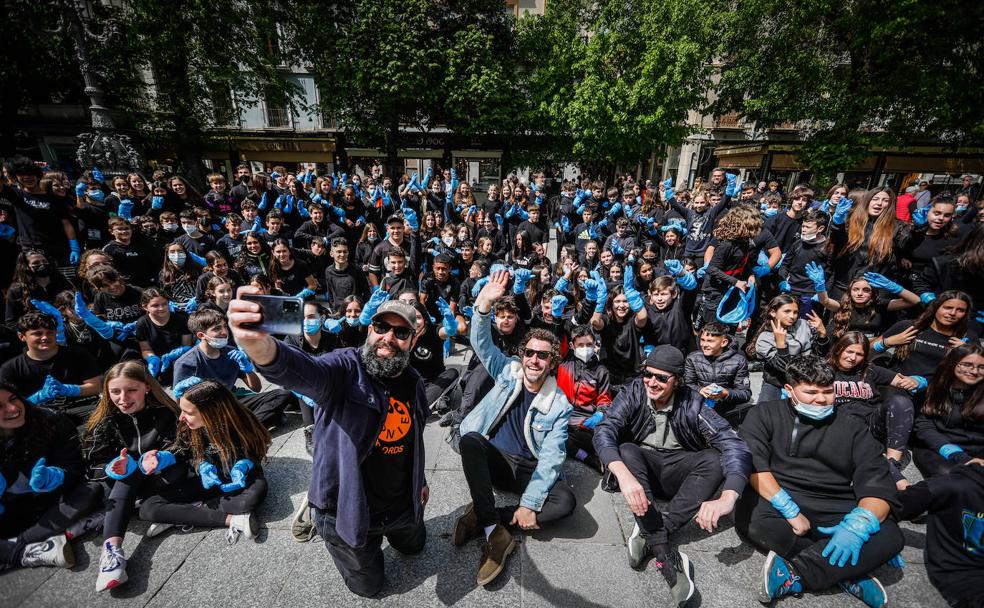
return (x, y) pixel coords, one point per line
(45, 478)
(3, 488)
(279, 203)
(411, 216)
(687, 281)
(920, 217)
(590, 287)
(523, 214)
(427, 178)
(762, 267)
(950, 449)
(46, 393)
(263, 202)
(848, 536)
(668, 189)
(882, 282)
(557, 305)
(615, 209)
(784, 287)
(172, 356)
(602, 292)
(674, 266)
(274, 176)
(311, 403)
(123, 332)
(339, 213)
(157, 202)
(815, 273)
(732, 188)
(702, 270)
(242, 360)
(477, 287)
(927, 297)
(521, 276)
(209, 475)
(896, 562)
(499, 220)
(562, 284)
(80, 189)
(238, 476)
(921, 383)
(289, 203)
(332, 325)
(592, 422)
(46, 308)
(980, 316)
(164, 460)
(784, 504)
(125, 210)
(593, 230)
(631, 293)
(191, 305)
(184, 385)
(305, 293)
(565, 225)
(375, 301)
(98, 175)
(64, 390)
(7, 231)
(447, 318)
(75, 252)
(153, 365)
(617, 249)
(842, 210)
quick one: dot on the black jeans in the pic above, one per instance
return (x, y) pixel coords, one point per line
(758, 522)
(892, 424)
(268, 406)
(579, 438)
(486, 468)
(685, 478)
(362, 567)
(175, 502)
(30, 518)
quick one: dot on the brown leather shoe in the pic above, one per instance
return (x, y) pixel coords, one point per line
(494, 553)
(466, 528)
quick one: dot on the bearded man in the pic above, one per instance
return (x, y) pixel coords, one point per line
(367, 479)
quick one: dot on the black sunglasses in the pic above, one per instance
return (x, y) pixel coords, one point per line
(382, 328)
(542, 355)
(661, 378)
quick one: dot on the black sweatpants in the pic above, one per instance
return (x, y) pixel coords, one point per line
(487, 468)
(175, 503)
(268, 406)
(434, 389)
(30, 518)
(579, 438)
(892, 423)
(758, 522)
(362, 567)
(684, 478)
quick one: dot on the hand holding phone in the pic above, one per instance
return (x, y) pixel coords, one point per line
(252, 328)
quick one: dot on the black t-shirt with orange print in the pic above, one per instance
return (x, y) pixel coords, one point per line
(387, 471)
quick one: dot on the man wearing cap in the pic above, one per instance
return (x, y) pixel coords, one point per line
(367, 479)
(659, 441)
(396, 238)
(515, 439)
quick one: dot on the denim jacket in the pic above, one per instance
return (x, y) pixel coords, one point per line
(545, 427)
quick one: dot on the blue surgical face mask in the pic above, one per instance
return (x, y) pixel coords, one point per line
(353, 321)
(813, 412)
(770, 212)
(96, 195)
(312, 326)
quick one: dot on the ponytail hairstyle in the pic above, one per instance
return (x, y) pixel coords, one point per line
(927, 317)
(938, 400)
(132, 370)
(774, 304)
(883, 234)
(230, 428)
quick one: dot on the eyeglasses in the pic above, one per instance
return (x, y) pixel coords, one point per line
(661, 378)
(382, 328)
(542, 355)
(970, 367)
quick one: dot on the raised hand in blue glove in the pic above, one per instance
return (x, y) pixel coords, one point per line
(191, 305)
(848, 536)
(631, 293)
(375, 301)
(172, 356)
(45, 478)
(593, 230)
(153, 365)
(155, 461)
(263, 203)
(920, 217)
(843, 209)
(279, 203)
(732, 188)
(242, 360)
(75, 252)
(46, 308)
(80, 189)
(125, 209)
(479, 284)
(668, 189)
(521, 276)
(785, 287)
(882, 282)
(411, 216)
(185, 384)
(98, 175)
(332, 325)
(209, 475)
(448, 320)
(617, 249)
(590, 287)
(592, 422)
(565, 224)
(602, 300)
(557, 305)
(674, 266)
(237, 475)
(815, 273)
(305, 293)
(288, 203)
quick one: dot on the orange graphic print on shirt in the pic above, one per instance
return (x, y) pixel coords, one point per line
(396, 427)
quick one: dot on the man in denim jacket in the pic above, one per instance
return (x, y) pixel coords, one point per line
(514, 439)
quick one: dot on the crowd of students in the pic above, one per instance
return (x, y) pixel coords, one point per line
(123, 390)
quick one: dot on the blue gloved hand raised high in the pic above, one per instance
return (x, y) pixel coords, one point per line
(332, 325)
(521, 276)
(557, 305)
(843, 209)
(920, 217)
(602, 300)
(590, 287)
(675, 267)
(882, 282)
(632, 294)
(375, 301)
(46, 308)
(815, 273)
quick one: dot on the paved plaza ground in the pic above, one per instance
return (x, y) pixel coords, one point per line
(579, 563)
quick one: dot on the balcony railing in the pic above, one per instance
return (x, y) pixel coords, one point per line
(276, 118)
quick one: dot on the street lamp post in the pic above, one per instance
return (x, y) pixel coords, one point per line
(104, 147)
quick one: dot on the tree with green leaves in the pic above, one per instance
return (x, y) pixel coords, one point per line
(855, 75)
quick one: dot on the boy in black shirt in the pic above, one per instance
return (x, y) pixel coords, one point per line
(533, 226)
(440, 284)
(116, 300)
(129, 258)
(343, 279)
(399, 277)
(194, 240)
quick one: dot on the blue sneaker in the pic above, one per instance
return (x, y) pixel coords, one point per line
(868, 589)
(777, 579)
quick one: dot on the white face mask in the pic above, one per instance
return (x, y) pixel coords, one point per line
(808, 237)
(448, 240)
(178, 258)
(813, 412)
(168, 226)
(217, 342)
(584, 353)
(190, 228)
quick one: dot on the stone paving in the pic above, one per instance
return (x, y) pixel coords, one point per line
(580, 563)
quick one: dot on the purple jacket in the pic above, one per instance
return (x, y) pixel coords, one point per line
(351, 411)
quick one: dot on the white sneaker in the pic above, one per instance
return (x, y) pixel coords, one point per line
(85, 525)
(157, 528)
(243, 524)
(637, 547)
(112, 568)
(54, 552)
